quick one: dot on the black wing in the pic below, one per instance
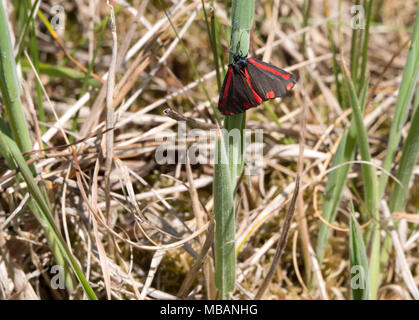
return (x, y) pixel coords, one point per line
(268, 81)
(237, 93)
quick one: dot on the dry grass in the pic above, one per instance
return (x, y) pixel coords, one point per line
(145, 244)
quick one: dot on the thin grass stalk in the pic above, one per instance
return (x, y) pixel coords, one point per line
(369, 176)
(306, 13)
(88, 74)
(26, 21)
(404, 174)
(10, 89)
(33, 46)
(195, 70)
(407, 86)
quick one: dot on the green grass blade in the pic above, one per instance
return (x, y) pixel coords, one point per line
(334, 187)
(225, 256)
(28, 24)
(407, 162)
(358, 261)
(366, 39)
(356, 34)
(10, 89)
(62, 72)
(11, 152)
(407, 86)
(369, 177)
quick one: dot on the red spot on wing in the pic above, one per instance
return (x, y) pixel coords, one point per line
(270, 95)
(272, 70)
(290, 86)
(227, 86)
(246, 105)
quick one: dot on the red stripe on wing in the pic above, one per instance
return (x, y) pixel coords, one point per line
(227, 86)
(272, 70)
(258, 99)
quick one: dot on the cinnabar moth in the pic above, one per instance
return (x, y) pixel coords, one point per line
(248, 82)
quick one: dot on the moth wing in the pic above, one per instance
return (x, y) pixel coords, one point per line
(269, 81)
(236, 95)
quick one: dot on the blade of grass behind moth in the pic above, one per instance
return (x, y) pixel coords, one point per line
(369, 177)
(29, 26)
(358, 260)
(225, 255)
(11, 151)
(410, 75)
(336, 181)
